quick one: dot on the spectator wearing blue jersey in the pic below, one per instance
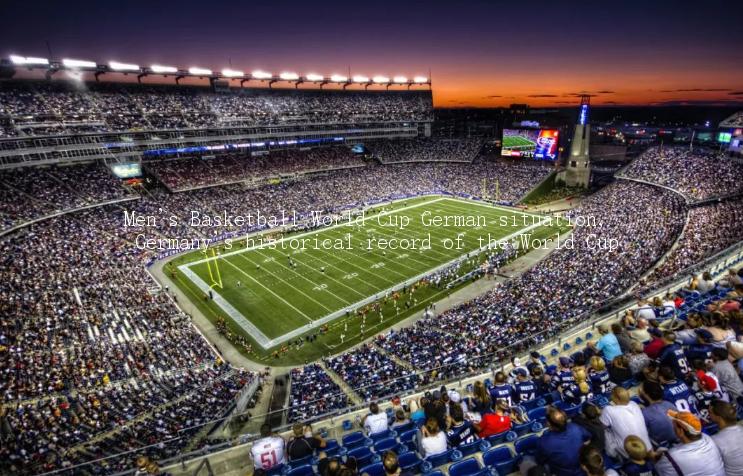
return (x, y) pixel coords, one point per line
(559, 447)
(524, 389)
(608, 344)
(676, 391)
(672, 356)
(598, 375)
(535, 360)
(702, 348)
(655, 413)
(639, 463)
(460, 432)
(564, 375)
(502, 390)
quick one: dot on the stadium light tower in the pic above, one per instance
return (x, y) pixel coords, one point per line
(578, 171)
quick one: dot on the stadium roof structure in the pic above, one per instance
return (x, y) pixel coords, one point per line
(16, 62)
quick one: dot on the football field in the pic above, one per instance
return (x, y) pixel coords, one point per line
(517, 143)
(275, 291)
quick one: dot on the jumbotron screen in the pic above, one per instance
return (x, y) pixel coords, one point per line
(125, 171)
(539, 144)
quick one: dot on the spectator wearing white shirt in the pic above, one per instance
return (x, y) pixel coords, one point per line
(376, 421)
(696, 455)
(268, 452)
(644, 311)
(433, 440)
(622, 419)
(729, 439)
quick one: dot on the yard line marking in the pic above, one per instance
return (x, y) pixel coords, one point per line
(268, 289)
(314, 283)
(292, 287)
(267, 343)
(317, 230)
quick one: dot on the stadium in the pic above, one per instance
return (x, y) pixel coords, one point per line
(222, 272)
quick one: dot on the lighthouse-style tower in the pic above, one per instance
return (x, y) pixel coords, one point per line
(578, 170)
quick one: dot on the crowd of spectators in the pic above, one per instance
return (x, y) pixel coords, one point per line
(710, 229)
(31, 192)
(568, 283)
(426, 150)
(372, 374)
(698, 174)
(43, 108)
(677, 413)
(313, 393)
(192, 172)
(80, 324)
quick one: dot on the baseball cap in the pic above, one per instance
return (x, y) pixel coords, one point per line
(707, 382)
(703, 333)
(687, 420)
(521, 372)
(454, 396)
(516, 362)
(654, 331)
(534, 354)
(436, 395)
(565, 361)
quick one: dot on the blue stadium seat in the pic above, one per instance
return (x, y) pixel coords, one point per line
(538, 414)
(467, 467)
(440, 459)
(304, 470)
(300, 462)
(526, 445)
(383, 435)
(409, 461)
(409, 438)
(495, 440)
(347, 425)
(384, 445)
(375, 469)
(566, 346)
(332, 448)
(474, 447)
(354, 440)
(573, 410)
(501, 459)
(363, 456)
(554, 352)
(403, 428)
(535, 403)
(522, 428)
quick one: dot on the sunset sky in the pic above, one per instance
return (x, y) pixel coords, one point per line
(480, 53)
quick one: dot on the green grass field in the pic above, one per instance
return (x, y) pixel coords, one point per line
(517, 142)
(273, 293)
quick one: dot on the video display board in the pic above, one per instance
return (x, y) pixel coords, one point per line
(538, 144)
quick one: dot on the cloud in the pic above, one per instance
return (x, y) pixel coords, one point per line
(605, 92)
(695, 90)
(492, 96)
(609, 102)
(542, 96)
(736, 93)
(697, 102)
